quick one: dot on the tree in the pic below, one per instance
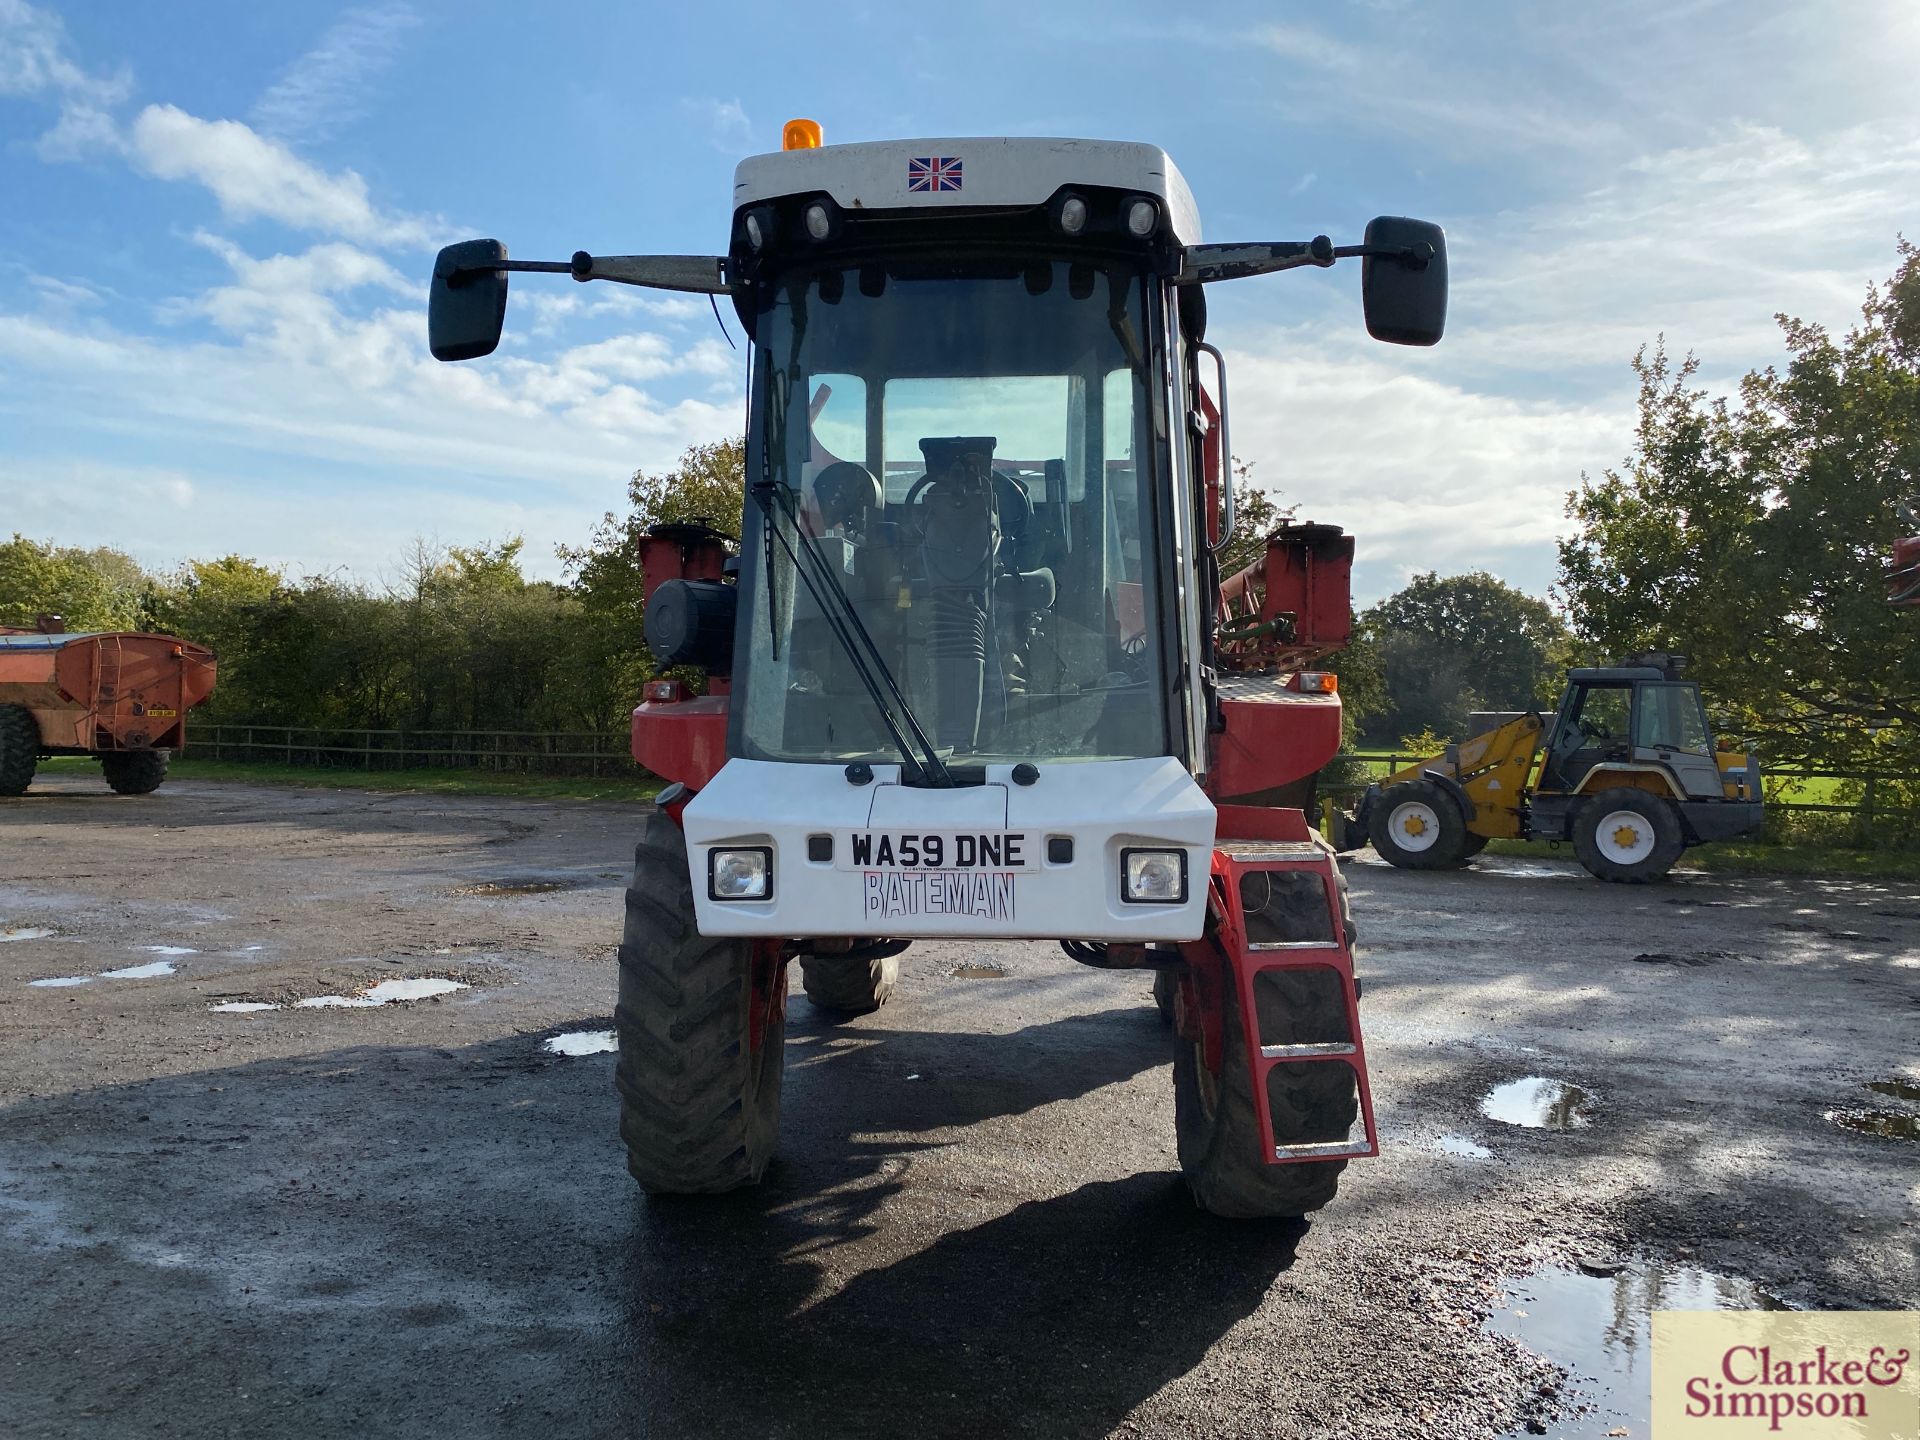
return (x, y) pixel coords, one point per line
(1448, 646)
(1258, 515)
(1751, 536)
(98, 589)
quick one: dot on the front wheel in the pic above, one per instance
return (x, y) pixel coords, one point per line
(1217, 1127)
(1418, 826)
(702, 1030)
(1627, 836)
(19, 749)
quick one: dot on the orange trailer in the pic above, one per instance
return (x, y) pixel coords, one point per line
(119, 695)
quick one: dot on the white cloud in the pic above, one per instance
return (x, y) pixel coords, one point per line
(34, 64)
(325, 89)
(314, 371)
(254, 178)
(725, 121)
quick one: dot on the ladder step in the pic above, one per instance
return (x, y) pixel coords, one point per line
(1322, 1147)
(1303, 1052)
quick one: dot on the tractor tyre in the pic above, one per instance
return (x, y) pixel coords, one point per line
(1628, 836)
(19, 749)
(1418, 826)
(847, 985)
(1166, 986)
(699, 1099)
(1217, 1128)
(134, 772)
(1472, 846)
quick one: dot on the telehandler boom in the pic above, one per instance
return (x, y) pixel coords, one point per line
(965, 664)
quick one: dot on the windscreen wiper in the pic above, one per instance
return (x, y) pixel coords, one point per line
(838, 609)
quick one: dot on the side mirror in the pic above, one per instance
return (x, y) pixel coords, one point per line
(1405, 298)
(467, 303)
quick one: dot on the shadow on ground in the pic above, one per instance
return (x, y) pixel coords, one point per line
(409, 1237)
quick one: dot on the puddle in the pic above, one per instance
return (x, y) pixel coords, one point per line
(167, 949)
(1887, 1124)
(1537, 1103)
(1600, 1329)
(1688, 957)
(64, 980)
(979, 970)
(241, 1007)
(518, 887)
(387, 992)
(1899, 1089)
(1461, 1146)
(582, 1042)
(1529, 869)
(27, 932)
(152, 970)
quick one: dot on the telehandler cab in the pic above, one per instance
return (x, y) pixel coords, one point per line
(1628, 771)
(966, 671)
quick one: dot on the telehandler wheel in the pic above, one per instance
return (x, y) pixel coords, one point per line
(19, 749)
(1418, 826)
(1217, 1128)
(699, 1091)
(1472, 845)
(847, 985)
(134, 772)
(1627, 835)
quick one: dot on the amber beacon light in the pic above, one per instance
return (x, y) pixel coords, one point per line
(800, 135)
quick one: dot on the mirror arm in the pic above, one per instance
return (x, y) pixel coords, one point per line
(700, 274)
(1205, 263)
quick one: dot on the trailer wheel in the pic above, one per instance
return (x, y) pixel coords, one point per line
(134, 772)
(1217, 1128)
(19, 749)
(699, 1098)
(847, 985)
(1627, 835)
(1418, 826)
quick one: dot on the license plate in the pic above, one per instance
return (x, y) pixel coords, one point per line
(937, 850)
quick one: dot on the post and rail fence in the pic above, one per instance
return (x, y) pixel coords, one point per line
(605, 752)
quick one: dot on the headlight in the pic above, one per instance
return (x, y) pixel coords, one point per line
(740, 874)
(1142, 216)
(1153, 877)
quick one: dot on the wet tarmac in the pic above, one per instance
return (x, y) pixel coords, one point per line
(414, 1217)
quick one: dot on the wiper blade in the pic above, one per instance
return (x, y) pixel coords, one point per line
(844, 620)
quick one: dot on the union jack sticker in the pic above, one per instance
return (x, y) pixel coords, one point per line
(935, 172)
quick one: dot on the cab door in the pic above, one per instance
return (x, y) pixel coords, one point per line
(1592, 728)
(1670, 729)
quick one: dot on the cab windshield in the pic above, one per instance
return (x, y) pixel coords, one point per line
(967, 451)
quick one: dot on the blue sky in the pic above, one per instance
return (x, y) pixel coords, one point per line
(216, 221)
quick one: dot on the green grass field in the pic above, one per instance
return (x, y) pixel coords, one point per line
(633, 784)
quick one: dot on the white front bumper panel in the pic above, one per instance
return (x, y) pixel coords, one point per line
(948, 880)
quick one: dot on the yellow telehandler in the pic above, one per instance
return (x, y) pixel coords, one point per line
(1626, 768)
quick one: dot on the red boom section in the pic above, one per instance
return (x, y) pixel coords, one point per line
(1903, 582)
(1289, 608)
(674, 736)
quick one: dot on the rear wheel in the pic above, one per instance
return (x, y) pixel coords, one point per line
(134, 772)
(847, 985)
(19, 749)
(1418, 826)
(1222, 1149)
(1472, 845)
(700, 1057)
(1626, 835)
